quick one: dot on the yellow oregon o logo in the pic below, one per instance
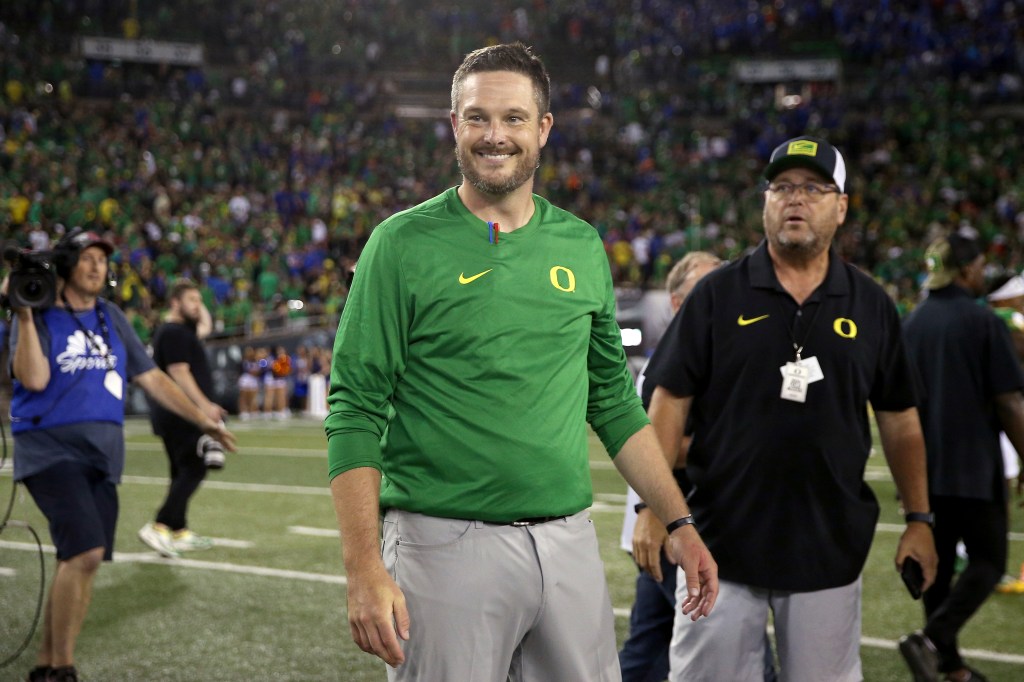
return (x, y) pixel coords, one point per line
(845, 328)
(570, 279)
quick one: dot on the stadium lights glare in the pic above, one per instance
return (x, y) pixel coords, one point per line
(631, 337)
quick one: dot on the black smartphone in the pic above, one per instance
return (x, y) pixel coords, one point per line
(913, 577)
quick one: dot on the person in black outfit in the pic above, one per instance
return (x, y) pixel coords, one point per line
(777, 357)
(178, 351)
(972, 385)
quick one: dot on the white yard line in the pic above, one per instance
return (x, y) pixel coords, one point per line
(233, 544)
(880, 643)
(616, 498)
(241, 569)
(154, 558)
(606, 502)
(239, 487)
(302, 453)
(314, 532)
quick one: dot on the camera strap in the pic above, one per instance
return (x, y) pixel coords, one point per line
(102, 349)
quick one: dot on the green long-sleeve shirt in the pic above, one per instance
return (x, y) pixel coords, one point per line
(466, 370)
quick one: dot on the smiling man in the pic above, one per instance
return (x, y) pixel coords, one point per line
(781, 434)
(478, 341)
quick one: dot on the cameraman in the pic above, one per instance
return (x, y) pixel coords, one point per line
(70, 363)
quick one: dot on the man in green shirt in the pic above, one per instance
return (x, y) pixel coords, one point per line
(478, 340)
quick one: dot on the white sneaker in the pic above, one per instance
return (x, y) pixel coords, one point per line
(159, 539)
(186, 541)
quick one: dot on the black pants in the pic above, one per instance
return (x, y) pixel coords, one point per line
(982, 525)
(187, 471)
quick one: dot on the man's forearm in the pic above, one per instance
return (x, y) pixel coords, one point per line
(182, 375)
(668, 415)
(356, 494)
(161, 388)
(903, 444)
(1010, 409)
(28, 363)
(644, 466)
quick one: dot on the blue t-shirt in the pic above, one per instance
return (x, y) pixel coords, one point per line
(79, 416)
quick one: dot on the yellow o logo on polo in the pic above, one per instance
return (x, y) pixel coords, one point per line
(570, 279)
(845, 328)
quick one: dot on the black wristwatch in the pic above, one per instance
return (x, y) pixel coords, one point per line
(922, 517)
(639, 507)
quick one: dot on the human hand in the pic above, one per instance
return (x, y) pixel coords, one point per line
(215, 412)
(220, 433)
(917, 542)
(648, 538)
(686, 549)
(377, 615)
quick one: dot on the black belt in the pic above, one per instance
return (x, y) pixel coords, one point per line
(533, 521)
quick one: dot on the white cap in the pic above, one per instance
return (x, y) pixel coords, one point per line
(1013, 288)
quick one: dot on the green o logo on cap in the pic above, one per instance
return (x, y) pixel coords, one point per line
(805, 147)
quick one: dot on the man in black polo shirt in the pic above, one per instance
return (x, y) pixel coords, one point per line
(178, 351)
(777, 356)
(972, 389)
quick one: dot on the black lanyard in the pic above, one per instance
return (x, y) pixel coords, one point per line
(798, 346)
(90, 336)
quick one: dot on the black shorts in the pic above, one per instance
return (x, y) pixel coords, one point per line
(81, 505)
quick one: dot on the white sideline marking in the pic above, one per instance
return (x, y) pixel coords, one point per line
(599, 506)
(234, 544)
(242, 487)
(154, 558)
(969, 653)
(314, 532)
(304, 453)
(879, 643)
(899, 528)
(7, 572)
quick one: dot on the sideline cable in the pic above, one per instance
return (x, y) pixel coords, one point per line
(39, 545)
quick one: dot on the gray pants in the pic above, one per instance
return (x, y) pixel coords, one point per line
(817, 635)
(490, 603)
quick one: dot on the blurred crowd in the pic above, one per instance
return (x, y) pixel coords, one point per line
(261, 174)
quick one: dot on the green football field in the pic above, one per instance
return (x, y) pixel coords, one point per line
(268, 601)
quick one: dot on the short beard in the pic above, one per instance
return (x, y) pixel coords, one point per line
(522, 173)
(800, 249)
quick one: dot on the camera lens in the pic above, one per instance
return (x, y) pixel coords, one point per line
(211, 451)
(31, 288)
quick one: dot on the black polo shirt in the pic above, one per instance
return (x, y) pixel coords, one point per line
(780, 497)
(174, 343)
(964, 357)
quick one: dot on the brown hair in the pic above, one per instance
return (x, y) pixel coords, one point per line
(179, 287)
(514, 57)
